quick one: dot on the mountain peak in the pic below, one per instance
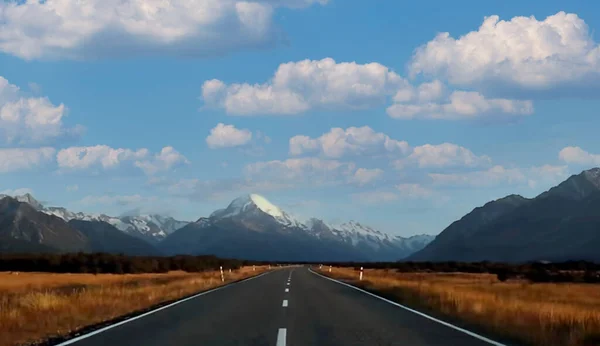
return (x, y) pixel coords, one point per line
(248, 202)
(593, 176)
(27, 198)
(577, 186)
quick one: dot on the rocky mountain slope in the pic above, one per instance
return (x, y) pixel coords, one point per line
(24, 228)
(562, 223)
(151, 228)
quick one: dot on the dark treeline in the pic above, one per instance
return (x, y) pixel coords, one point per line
(569, 271)
(111, 263)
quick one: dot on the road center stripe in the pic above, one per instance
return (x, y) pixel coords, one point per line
(287, 290)
(285, 303)
(281, 336)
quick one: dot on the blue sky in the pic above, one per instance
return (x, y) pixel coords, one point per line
(335, 109)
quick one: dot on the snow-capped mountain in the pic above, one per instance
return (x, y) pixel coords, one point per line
(250, 203)
(152, 228)
(26, 198)
(252, 219)
(251, 227)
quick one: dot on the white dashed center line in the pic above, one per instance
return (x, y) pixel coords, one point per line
(285, 303)
(287, 290)
(281, 336)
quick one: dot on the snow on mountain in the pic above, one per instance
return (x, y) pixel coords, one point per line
(152, 228)
(26, 198)
(358, 231)
(256, 212)
(251, 202)
(351, 232)
(415, 242)
(593, 176)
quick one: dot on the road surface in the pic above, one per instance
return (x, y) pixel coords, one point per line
(289, 306)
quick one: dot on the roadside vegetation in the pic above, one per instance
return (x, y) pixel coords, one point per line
(38, 306)
(566, 314)
(568, 271)
(97, 263)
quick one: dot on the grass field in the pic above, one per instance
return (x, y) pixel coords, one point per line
(536, 314)
(37, 306)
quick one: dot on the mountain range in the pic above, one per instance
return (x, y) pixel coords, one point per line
(560, 224)
(152, 228)
(25, 229)
(250, 227)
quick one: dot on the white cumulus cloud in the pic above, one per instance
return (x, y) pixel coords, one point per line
(499, 175)
(364, 176)
(99, 155)
(105, 157)
(557, 52)
(30, 120)
(309, 169)
(340, 142)
(300, 86)
(442, 155)
(432, 104)
(167, 159)
(576, 155)
(17, 159)
(68, 29)
(226, 136)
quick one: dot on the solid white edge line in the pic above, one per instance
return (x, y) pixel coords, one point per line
(281, 336)
(285, 303)
(90, 334)
(475, 335)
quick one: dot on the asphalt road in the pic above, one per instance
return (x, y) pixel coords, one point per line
(290, 306)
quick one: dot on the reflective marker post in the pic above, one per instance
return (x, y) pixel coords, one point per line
(253, 268)
(222, 277)
(361, 273)
(330, 269)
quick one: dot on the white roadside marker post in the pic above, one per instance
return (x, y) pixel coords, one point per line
(222, 277)
(361, 273)
(330, 269)
(230, 270)
(253, 268)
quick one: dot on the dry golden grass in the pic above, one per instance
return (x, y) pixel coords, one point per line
(37, 306)
(537, 314)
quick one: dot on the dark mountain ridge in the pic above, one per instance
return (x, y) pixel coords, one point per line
(26, 229)
(560, 224)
